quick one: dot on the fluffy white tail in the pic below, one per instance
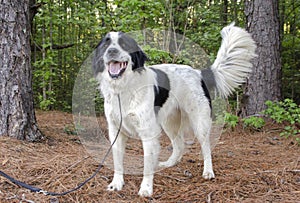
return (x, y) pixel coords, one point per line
(233, 62)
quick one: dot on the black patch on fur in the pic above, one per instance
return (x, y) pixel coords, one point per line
(206, 92)
(98, 63)
(138, 57)
(209, 79)
(161, 91)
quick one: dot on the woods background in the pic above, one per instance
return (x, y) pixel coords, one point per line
(65, 32)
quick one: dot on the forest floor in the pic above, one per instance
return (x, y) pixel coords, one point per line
(249, 167)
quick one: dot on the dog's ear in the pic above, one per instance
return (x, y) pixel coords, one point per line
(137, 55)
(138, 59)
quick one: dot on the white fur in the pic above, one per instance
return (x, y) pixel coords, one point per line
(186, 109)
(233, 62)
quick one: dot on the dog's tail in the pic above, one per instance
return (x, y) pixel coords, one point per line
(233, 62)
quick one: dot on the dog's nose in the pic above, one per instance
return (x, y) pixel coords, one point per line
(112, 51)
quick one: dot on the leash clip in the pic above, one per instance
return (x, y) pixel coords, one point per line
(43, 192)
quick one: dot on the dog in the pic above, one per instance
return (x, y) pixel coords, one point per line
(169, 97)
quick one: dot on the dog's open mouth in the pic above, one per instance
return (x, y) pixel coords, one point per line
(116, 68)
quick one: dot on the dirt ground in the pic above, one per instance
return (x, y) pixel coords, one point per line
(249, 167)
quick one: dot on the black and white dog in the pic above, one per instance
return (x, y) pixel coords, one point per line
(167, 96)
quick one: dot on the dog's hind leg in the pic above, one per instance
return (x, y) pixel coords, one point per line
(174, 129)
(208, 172)
(202, 132)
(178, 148)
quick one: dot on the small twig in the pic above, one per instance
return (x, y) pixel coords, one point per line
(14, 196)
(174, 178)
(22, 199)
(267, 171)
(272, 171)
(105, 178)
(76, 163)
(294, 171)
(26, 200)
(208, 198)
(255, 115)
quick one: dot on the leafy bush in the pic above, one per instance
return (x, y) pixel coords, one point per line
(157, 56)
(282, 111)
(254, 122)
(288, 113)
(285, 112)
(231, 120)
(45, 104)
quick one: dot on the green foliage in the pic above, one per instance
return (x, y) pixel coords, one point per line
(99, 105)
(63, 35)
(70, 130)
(132, 15)
(285, 112)
(290, 51)
(45, 104)
(288, 113)
(281, 111)
(254, 122)
(81, 24)
(156, 56)
(231, 120)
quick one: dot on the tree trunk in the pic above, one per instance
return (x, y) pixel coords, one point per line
(265, 81)
(17, 116)
(224, 12)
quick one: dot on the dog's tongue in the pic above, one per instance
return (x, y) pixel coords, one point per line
(115, 68)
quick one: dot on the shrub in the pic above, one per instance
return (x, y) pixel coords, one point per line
(231, 120)
(288, 113)
(254, 122)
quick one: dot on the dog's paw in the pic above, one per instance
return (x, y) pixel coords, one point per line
(208, 175)
(117, 184)
(146, 191)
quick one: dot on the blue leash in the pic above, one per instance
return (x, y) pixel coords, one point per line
(39, 190)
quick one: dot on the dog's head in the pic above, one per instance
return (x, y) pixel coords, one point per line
(116, 55)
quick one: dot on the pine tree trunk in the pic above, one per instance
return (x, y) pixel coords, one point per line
(224, 12)
(265, 80)
(17, 116)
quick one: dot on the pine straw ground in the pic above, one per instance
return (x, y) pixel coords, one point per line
(249, 167)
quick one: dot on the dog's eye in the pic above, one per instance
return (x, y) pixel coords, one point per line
(122, 43)
(106, 42)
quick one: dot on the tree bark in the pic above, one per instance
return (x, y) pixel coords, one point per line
(265, 81)
(224, 12)
(17, 116)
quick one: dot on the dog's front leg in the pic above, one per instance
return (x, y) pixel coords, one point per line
(151, 152)
(118, 150)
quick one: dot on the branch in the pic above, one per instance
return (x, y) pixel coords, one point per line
(62, 46)
(54, 46)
